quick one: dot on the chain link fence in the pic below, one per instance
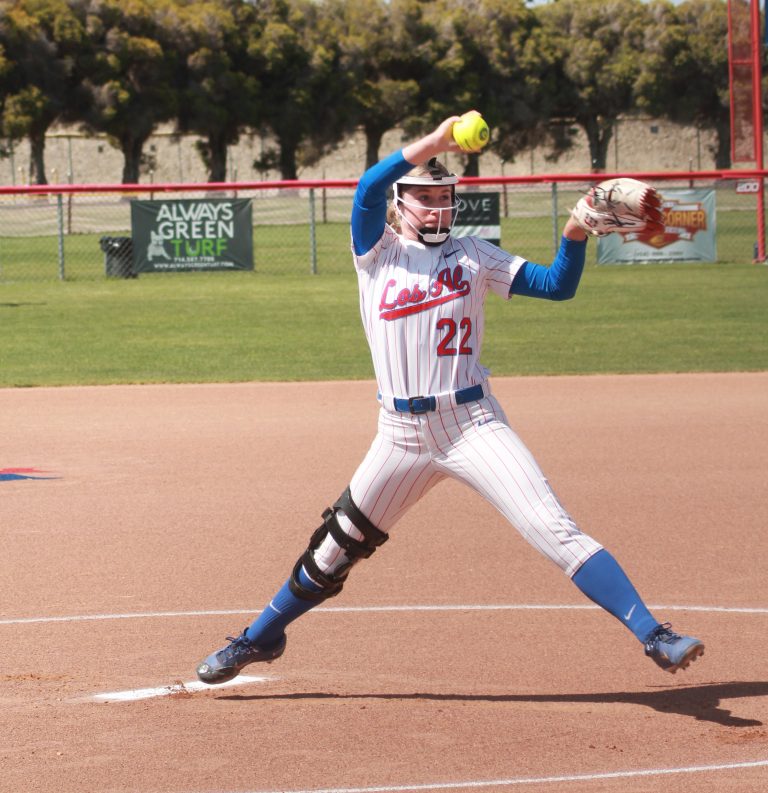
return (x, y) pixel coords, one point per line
(81, 235)
(299, 229)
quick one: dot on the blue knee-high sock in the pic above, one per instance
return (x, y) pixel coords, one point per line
(283, 609)
(602, 580)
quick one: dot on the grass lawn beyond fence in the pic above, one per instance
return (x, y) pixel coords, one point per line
(230, 327)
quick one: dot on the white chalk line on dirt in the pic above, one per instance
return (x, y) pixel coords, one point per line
(179, 688)
(548, 780)
(370, 609)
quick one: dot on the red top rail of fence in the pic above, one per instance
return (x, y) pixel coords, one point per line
(179, 187)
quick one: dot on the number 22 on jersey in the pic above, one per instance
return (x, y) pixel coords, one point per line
(454, 333)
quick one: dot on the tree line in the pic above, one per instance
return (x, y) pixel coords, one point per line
(309, 73)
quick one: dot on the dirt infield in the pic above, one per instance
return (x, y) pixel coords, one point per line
(141, 525)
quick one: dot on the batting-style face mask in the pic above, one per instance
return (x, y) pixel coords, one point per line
(435, 177)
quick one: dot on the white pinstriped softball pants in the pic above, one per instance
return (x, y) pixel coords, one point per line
(474, 444)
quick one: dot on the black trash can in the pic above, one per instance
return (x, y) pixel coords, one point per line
(118, 257)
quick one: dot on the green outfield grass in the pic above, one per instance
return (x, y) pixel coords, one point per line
(226, 327)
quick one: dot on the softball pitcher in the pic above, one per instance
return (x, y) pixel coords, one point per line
(422, 293)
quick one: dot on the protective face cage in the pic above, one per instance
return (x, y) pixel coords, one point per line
(435, 178)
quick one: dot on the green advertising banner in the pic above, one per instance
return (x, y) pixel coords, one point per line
(479, 216)
(192, 234)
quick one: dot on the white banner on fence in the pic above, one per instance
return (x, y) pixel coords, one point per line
(688, 236)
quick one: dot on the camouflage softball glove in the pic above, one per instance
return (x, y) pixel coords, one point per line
(622, 205)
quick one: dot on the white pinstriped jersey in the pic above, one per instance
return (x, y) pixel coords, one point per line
(422, 310)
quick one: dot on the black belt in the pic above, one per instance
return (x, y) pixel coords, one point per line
(424, 404)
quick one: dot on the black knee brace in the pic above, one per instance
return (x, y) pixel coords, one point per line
(332, 583)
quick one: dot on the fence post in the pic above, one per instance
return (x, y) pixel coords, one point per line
(60, 207)
(312, 234)
(555, 226)
(505, 202)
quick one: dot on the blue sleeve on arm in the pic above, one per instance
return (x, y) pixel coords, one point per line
(369, 207)
(556, 282)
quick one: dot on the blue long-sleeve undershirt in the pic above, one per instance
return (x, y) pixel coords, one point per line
(369, 207)
(556, 282)
(369, 215)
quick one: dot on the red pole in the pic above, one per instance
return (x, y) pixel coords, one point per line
(731, 78)
(757, 114)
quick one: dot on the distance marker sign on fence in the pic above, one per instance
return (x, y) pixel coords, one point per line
(192, 234)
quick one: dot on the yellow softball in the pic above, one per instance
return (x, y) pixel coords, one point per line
(471, 132)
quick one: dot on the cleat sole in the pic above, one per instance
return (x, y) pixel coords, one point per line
(695, 652)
